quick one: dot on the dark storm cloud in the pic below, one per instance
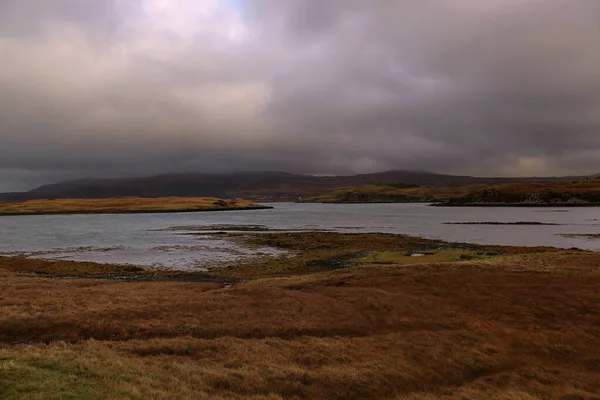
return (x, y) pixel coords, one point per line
(470, 86)
(337, 86)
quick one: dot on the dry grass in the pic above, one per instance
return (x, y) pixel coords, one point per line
(377, 192)
(582, 193)
(416, 194)
(18, 264)
(571, 186)
(515, 326)
(121, 205)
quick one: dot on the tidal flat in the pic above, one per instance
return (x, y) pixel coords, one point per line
(341, 316)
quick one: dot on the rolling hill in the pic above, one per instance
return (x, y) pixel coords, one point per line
(262, 186)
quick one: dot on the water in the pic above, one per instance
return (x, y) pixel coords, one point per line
(143, 239)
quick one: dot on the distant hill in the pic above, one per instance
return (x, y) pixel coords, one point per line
(251, 185)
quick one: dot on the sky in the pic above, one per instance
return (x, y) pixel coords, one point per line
(139, 87)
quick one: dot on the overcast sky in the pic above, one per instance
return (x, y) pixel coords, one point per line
(138, 87)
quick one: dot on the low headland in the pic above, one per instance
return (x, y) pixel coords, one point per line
(579, 193)
(567, 193)
(341, 316)
(127, 205)
(391, 193)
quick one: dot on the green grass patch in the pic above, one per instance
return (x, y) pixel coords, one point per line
(49, 379)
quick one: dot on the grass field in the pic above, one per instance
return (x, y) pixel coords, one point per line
(122, 205)
(347, 317)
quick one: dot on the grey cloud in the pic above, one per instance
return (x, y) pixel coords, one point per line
(337, 86)
(31, 17)
(489, 83)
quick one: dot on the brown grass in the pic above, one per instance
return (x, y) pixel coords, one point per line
(313, 252)
(446, 193)
(121, 205)
(571, 186)
(525, 325)
(19, 264)
(416, 194)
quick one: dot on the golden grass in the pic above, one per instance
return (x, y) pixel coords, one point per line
(523, 325)
(122, 205)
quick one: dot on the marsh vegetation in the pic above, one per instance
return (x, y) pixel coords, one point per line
(345, 316)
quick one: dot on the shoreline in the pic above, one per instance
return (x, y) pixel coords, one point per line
(344, 250)
(116, 212)
(540, 205)
(364, 202)
(443, 204)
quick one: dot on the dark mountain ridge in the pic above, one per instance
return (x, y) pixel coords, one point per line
(263, 185)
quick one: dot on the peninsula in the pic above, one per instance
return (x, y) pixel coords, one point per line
(564, 193)
(128, 205)
(567, 193)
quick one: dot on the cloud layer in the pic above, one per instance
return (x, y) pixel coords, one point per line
(128, 87)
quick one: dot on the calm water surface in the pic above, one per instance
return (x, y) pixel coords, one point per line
(144, 239)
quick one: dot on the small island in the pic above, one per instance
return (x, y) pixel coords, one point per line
(126, 205)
